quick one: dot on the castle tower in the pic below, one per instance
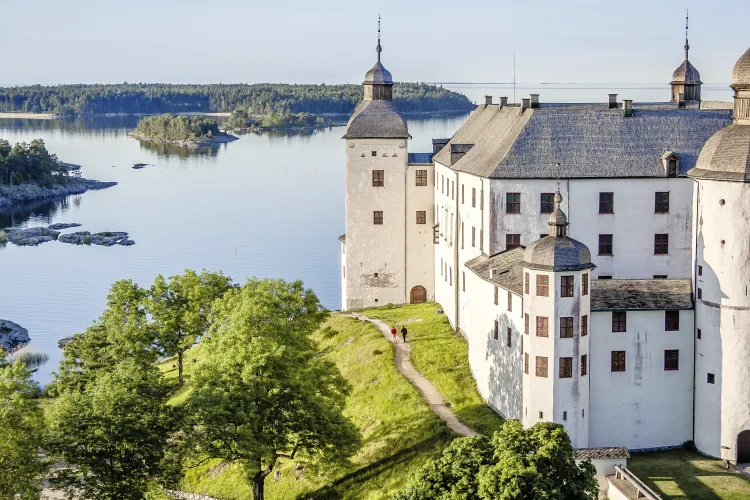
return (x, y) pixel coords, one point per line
(373, 250)
(557, 316)
(686, 80)
(722, 275)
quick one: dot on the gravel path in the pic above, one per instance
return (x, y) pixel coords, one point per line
(425, 387)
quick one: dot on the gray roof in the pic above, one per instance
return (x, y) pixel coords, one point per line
(557, 253)
(686, 73)
(624, 295)
(741, 71)
(507, 266)
(378, 75)
(605, 453)
(420, 159)
(588, 140)
(376, 119)
(726, 155)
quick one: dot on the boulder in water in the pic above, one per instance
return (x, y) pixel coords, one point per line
(63, 225)
(12, 336)
(106, 239)
(32, 236)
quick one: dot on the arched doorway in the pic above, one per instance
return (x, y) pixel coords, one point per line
(743, 447)
(418, 295)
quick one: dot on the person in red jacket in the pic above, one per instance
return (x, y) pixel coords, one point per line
(393, 334)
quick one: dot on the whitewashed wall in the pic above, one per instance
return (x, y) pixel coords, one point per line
(645, 406)
(722, 409)
(445, 251)
(375, 248)
(632, 225)
(420, 249)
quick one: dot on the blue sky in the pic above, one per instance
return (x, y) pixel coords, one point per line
(294, 41)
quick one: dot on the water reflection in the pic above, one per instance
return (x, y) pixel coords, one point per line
(41, 211)
(168, 150)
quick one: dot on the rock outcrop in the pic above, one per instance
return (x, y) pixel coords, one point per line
(31, 237)
(29, 191)
(106, 239)
(12, 336)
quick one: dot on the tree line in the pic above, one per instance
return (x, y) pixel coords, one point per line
(30, 163)
(259, 391)
(256, 99)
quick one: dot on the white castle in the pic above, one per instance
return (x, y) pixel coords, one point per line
(626, 320)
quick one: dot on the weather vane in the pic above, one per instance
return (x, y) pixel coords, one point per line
(379, 49)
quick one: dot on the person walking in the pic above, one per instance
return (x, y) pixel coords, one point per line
(393, 334)
(404, 331)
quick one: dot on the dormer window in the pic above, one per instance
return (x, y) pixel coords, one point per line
(671, 164)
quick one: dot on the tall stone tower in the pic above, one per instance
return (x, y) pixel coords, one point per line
(722, 277)
(686, 80)
(557, 313)
(373, 250)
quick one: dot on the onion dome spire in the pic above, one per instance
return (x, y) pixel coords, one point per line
(558, 221)
(686, 79)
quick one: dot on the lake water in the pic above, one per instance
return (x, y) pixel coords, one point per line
(268, 205)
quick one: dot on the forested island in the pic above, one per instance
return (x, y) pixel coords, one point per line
(240, 120)
(257, 99)
(188, 131)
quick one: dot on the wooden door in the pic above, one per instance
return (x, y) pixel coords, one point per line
(418, 295)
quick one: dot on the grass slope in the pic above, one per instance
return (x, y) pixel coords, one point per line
(683, 474)
(399, 431)
(443, 357)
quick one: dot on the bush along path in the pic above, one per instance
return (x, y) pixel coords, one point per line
(424, 386)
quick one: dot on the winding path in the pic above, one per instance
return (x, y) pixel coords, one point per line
(429, 392)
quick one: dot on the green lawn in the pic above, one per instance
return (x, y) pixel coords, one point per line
(443, 357)
(399, 431)
(683, 474)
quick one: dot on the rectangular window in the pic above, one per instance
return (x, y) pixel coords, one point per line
(700, 270)
(512, 241)
(565, 415)
(441, 266)
(343, 269)
(526, 324)
(450, 276)
(509, 335)
(698, 333)
(541, 366)
(473, 236)
(671, 321)
(542, 326)
(584, 325)
(495, 331)
(618, 361)
(463, 281)
(606, 203)
(377, 217)
(700, 294)
(584, 364)
(542, 285)
(566, 286)
(378, 178)
(585, 284)
(526, 284)
(510, 301)
(512, 203)
(661, 244)
(462, 194)
(661, 202)
(473, 197)
(660, 276)
(442, 184)
(710, 378)
(605, 244)
(605, 277)
(421, 217)
(462, 235)
(566, 328)
(374, 153)
(421, 177)
(671, 359)
(619, 321)
(547, 203)
(526, 362)
(496, 296)
(453, 189)
(481, 239)
(566, 367)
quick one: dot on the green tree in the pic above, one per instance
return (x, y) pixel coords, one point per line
(518, 463)
(180, 310)
(114, 434)
(21, 433)
(262, 393)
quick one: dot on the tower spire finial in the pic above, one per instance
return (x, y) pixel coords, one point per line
(687, 24)
(379, 49)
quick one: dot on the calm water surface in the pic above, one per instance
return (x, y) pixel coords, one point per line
(267, 205)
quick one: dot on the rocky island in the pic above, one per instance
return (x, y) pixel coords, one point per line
(185, 131)
(12, 336)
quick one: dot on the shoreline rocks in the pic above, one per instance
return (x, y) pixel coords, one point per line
(192, 143)
(12, 336)
(105, 239)
(31, 237)
(26, 192)
(63, 225)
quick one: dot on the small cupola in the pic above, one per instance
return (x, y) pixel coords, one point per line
(670, 162)
(686, 80)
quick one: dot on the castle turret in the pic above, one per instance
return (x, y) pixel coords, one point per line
(556, 309)
(686, 80)
(722, 276)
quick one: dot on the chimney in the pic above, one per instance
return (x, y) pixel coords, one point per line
(627, 107)
(680, 100)
(534, 100)
(612, 101)
(487, 100)
(503, 101)
(525, 104)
